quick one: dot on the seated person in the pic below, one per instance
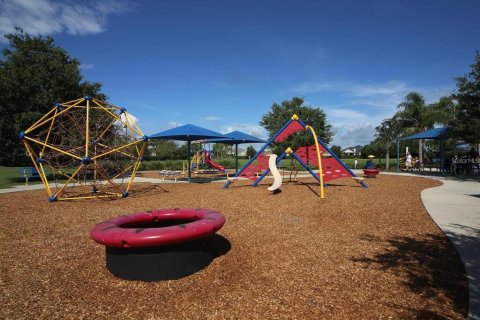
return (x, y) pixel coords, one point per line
(370, 164)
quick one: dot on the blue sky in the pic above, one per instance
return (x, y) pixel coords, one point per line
(221, 64)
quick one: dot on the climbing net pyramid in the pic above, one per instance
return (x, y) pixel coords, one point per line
(85, 149)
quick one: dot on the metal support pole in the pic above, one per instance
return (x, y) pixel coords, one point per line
(236, 157)
(188, 161)
(398, 155)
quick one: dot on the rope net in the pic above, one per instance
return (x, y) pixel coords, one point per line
(85, 148)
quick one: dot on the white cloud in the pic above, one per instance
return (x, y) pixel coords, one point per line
(354, 134)
(172, 124)
(380, 95)
(315, 87)
(364, 105)
(212, 118)
(387, 88)
(339, 114)
(48, 17)
(86, 66)
(251, 129)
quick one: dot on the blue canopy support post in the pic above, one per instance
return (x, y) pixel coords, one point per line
(268, 170)
(227, 184)
(188, 133)
(398, 155)
(236, 157)
(188, 160)
(442, 155)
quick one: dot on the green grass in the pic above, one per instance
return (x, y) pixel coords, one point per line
(9, 177)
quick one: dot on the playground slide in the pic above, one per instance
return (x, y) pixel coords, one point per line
(214, 165)
(277, 178)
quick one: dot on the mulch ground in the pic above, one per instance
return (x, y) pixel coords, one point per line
(358, 254)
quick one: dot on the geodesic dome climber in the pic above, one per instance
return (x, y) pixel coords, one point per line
(85, 149)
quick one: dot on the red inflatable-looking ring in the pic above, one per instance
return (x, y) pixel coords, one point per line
(371, 172)
(134, 231)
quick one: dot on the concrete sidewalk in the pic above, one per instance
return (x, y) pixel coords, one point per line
(455, 208)
(40, 185)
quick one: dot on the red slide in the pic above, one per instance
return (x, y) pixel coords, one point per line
(212, 163)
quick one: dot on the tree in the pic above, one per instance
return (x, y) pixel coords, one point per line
(34, 75)
(221, 150)
(166, 149)
(415, 115)
(466, 124)
(251, 151)
(387, 132)
(337, 150)
(280, 113)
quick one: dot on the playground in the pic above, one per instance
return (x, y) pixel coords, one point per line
(361, 253)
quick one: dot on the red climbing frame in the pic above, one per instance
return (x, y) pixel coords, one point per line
(261, 164)
(332, 169)
(293, 127)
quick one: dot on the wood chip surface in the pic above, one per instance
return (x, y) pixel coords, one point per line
(358, 254)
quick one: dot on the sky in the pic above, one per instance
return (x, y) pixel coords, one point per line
(222, 64)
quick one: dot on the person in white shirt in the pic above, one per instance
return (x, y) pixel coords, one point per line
(408, 161)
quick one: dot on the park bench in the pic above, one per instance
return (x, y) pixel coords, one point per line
(28, 173)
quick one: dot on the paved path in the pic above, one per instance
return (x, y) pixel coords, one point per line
(455, 208)
(40, 185)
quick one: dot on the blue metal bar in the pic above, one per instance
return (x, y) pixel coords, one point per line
(236, 157)
(268, 170)
(306, 167)
(227, 184)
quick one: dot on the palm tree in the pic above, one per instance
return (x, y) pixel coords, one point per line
(415, 114)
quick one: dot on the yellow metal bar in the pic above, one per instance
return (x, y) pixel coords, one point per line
(115, 177)
(90, 197)
(117, 149)
(118, 118)
(134, 172)
(106, 129)
(320, 171)
(48, 134)
(45, 121)
(42, 118)
(121, 152)
(95, 164)
(87, 129)
(53, 148)
(42, 177)
(128, 115)
(109, 181)
(71, 101)
(112, 105)
(68, 181)
(45, 175)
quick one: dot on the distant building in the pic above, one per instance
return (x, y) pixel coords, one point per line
(352, 151)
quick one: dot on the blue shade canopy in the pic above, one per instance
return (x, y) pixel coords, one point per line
(237, 137)
(188, 132)
(435, 133)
